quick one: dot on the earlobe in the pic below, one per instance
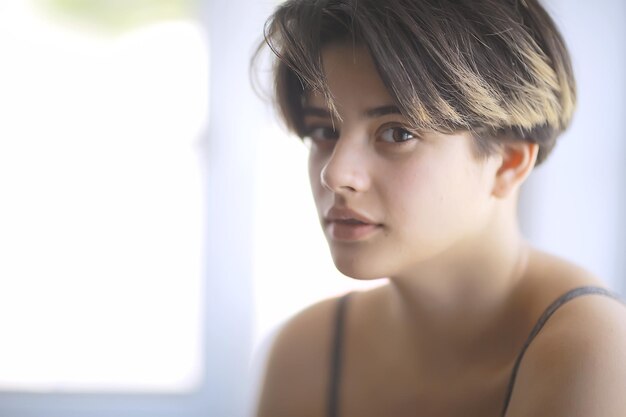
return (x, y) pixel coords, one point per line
(518, 160)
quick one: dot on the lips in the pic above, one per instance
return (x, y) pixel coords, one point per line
(345, 224)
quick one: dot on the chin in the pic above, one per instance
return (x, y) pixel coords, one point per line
(356, 269)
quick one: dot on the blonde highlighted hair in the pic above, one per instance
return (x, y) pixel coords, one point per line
(497, 68)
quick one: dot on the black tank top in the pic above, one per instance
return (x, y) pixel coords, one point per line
(336, 359)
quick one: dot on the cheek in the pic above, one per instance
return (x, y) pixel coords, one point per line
(408, 192)
(313, 171)
(315, 165)
(432, 197)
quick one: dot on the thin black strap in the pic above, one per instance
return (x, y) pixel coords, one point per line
(335, 365)
(576, 292)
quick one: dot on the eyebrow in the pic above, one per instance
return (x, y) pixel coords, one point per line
(370, 113)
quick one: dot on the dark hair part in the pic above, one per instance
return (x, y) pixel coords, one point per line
(497, 68)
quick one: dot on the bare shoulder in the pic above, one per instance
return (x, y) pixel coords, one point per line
(295, 380)
(549, 270)
(576, 366)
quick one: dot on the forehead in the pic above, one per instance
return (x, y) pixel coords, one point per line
(352, 79)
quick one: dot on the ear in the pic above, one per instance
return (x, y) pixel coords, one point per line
(518, 160)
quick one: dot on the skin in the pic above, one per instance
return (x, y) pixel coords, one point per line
(464, 288)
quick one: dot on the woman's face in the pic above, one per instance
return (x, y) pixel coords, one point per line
(389, 198)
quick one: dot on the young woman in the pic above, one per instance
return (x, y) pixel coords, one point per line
(424, 118)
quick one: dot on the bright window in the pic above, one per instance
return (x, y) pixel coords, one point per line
(101, 213)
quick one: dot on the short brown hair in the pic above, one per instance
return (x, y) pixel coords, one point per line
(497, 68)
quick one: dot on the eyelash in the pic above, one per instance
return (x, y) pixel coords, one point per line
(329, 134)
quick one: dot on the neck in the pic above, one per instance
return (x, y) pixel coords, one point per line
(462, 299)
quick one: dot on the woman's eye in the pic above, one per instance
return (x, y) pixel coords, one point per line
(396, 135)
(322, 133)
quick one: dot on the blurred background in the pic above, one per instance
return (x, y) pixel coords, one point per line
(156, 224)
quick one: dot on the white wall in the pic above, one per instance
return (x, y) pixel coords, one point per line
(574, 205)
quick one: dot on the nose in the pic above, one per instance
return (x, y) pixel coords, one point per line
(345, 170)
